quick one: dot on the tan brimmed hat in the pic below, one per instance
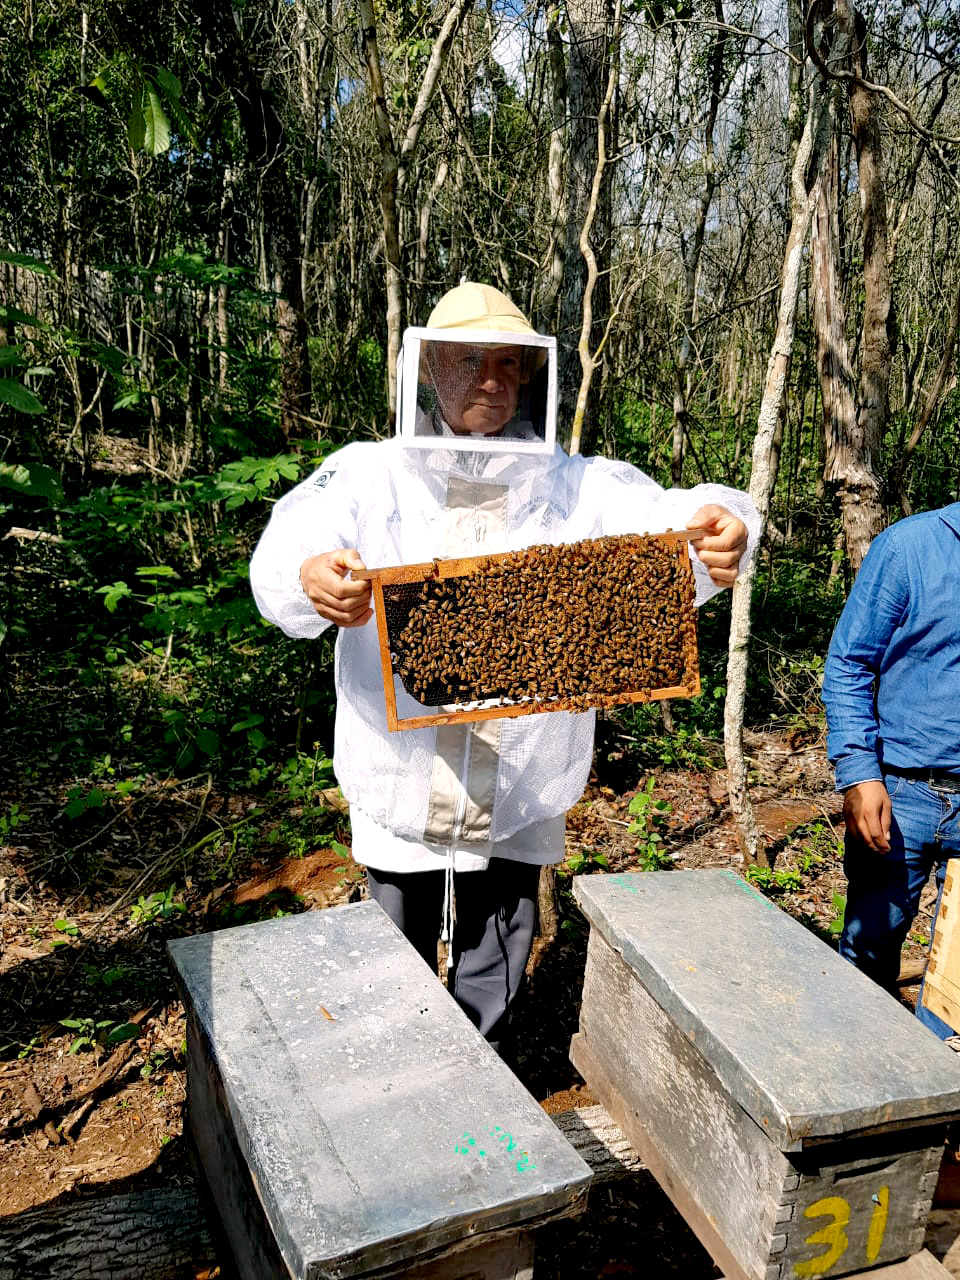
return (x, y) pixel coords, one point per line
(481, 307)
(478, 306)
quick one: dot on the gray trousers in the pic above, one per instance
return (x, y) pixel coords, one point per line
(496, 917)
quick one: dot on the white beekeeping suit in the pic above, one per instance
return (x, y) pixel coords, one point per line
(426, 798)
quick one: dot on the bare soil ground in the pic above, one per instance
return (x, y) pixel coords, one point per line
(92, 1033)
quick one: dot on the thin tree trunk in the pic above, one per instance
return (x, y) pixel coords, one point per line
(854, 432)
(266, 145)
(589, 360)
(692, 249)
(395, 163)
(805, 183)
(556, 164)
(587, 72)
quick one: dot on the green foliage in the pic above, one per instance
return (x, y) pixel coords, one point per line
(786, 879)
(156, 907)
(819, 843)
(80, 801)
(10, 821)
(99, 1033)
(67, 930)
(272, 906)
(581, 862)
(835, 926)
(648, 815)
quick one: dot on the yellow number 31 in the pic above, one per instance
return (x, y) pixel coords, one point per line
(834, 1236)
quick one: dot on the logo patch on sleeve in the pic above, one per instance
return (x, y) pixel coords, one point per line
(322, 478)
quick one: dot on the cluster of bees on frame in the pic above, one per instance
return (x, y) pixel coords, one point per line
(576, 625)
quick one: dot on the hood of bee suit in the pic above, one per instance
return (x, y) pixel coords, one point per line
(477, 358)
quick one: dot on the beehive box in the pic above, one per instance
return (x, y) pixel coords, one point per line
(941, 983)
(550, 628)
(793, 1111)
(349, 1119)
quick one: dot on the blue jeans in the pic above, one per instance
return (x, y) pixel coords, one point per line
(883, 889)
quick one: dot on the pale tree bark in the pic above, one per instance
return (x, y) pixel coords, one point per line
(395, 162)
(804, 193)
(556, 172)
(588, 60)
(837, 382)
(589, 360)
(692, 247)
(854, 430)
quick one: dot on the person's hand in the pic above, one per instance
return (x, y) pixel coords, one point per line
(866, 812)
(336, 597)
(723, 543)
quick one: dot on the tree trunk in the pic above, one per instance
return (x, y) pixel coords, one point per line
(587, 71)
(266, 146)
(395, 164)
(692, 248)
(589, 359)
(556, 163)
(853, 448)
(805, 184)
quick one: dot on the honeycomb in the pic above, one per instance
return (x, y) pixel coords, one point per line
(576, 625)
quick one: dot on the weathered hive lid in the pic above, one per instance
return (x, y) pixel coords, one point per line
(806, 1044)
(375, 1120)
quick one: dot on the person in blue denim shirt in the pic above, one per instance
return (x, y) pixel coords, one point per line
(891, 688)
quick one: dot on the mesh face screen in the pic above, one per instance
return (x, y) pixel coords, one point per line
(582, 623)
(476, 392)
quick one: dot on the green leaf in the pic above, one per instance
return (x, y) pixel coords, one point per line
(19, 397)
(25, 260)
(156, 571)
(137, 127)
(125, 1031)
(250, 723)
(208, 742)
(97, 91)
(128, 401)
(167, 82)
(13, 315)
(32, 479)
(113, 594)
(156, 138)
(11, 357)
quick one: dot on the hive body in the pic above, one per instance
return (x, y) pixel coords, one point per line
(549, 628)
(792, 1110)
(349, 1119)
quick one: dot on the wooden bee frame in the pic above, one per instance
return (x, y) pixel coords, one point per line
(527, 574)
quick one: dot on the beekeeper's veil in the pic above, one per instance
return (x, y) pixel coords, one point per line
(477, 377)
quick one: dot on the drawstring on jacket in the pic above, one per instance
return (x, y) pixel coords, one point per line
(446, 930)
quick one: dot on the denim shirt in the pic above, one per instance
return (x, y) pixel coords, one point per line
(891, 684)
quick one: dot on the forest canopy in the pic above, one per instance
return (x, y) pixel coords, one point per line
(217, 219)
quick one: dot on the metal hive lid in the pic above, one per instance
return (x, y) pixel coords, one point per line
(803, 1042)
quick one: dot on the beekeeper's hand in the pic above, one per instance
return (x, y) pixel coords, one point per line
(723, 543)
(332, 592)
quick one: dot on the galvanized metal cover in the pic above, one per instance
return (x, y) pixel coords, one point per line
(807, 1045)
(376, 1121)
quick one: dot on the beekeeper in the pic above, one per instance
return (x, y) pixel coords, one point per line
(464, 813)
